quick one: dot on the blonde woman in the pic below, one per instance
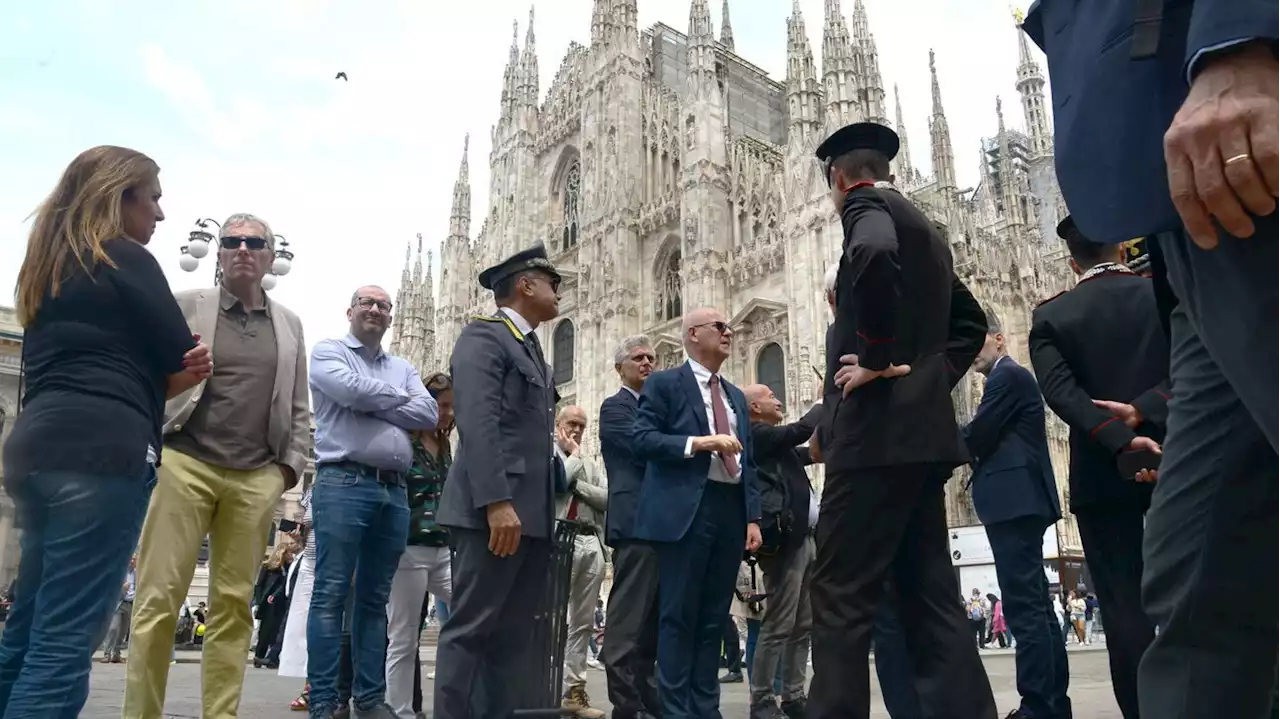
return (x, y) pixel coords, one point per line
(270, 603)
(104, 345)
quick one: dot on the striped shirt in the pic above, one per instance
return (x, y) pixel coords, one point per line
(308, 550)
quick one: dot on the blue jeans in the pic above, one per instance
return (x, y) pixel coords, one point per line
(442, 612)
(78, 532)
(361, 528)
(753, 634)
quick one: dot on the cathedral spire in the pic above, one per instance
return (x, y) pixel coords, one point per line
(838, 71)
(726, 29)
(511, 78)
(944, 170)
(905, 171)
(702, 54)
(1031, 87)
(529, 65)
(867, 66)
(1008, 185)
(460, 214)
(802, 78)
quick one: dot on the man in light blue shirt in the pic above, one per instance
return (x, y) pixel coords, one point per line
(366, 403)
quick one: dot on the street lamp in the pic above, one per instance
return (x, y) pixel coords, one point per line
(201, 238)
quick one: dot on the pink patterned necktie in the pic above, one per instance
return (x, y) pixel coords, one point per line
(722, 423)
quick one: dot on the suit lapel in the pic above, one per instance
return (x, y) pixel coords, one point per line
(206, 324)
(693, 395)
(524, 342)
(286, 349)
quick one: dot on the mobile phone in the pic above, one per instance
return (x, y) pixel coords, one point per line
(288, 525)
(1130, 463)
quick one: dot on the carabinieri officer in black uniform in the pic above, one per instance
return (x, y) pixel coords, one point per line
(498, 501)
(892, 442)
(1102, 340)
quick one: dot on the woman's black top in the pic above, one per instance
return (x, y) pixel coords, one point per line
(98, 358)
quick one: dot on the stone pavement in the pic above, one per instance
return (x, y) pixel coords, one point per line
(268, 695)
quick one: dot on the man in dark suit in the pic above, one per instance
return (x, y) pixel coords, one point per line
(631, 636)
(498, 502)
(698, 503)
(1102, 342)
(891, 443)
(1016, 498)
(786, 556)
(1166, 126)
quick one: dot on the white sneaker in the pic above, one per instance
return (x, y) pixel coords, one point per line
(431, 675)
(595, 664)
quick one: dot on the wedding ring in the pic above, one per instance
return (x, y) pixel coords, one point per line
(1237, 158)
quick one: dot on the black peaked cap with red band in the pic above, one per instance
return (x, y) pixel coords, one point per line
(858, 136)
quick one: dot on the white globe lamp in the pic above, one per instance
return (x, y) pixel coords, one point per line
(198, 247)
(268, 282)
(188, 262)
(281, 265)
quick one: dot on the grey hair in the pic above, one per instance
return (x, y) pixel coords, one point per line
(628, 344)
(244, 218)
(829, 282)
(993, 322)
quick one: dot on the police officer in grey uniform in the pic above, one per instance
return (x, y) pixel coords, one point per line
(498, 501)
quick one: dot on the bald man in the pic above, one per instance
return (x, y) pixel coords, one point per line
(699, 505)
(366, 404)
(584, 503)
(789, 511)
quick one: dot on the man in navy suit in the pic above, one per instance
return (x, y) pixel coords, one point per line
(631, 636)
(1016, 498)
(698, 503)
(1165, 126)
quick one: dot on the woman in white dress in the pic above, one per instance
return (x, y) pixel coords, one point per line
(293, 652)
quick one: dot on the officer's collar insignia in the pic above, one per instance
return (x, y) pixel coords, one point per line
(500, 317)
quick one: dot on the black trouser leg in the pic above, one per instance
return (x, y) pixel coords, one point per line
(875, 525)
(630, 649)
(732, 645)
(1112, 540)
(417, 658)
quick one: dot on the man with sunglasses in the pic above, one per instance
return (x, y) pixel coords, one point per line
(891, 442)
(233, 444)
(499, 500)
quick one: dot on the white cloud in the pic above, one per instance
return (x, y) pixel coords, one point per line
(238, 103)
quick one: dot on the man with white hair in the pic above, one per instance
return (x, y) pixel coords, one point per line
(233, 444)
(631, 636)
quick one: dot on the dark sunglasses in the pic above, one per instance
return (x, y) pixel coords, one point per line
(720, 327)
(553, 281)
(253, 243)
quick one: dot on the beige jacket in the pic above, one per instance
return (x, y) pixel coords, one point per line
(590, 487)
(289, 433)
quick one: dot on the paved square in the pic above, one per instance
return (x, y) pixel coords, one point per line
(268, 695)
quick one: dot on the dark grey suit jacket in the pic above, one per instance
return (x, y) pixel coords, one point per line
(504, 406)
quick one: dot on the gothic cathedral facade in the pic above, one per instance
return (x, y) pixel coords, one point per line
(664, 172)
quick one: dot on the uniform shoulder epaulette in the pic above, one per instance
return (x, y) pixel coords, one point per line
(503, 320)
(1049, 299)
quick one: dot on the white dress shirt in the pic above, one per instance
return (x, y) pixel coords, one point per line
(521, 323)
(718, 471)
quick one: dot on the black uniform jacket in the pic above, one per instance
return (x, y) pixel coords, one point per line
(1102, 340)
(898, 301)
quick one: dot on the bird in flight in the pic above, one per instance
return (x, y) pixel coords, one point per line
(341, 76)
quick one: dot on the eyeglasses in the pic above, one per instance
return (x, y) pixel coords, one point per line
(720, 327)
(642, 357)
(233, 243)
(369, 303)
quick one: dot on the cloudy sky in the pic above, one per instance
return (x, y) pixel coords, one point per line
(237, 102)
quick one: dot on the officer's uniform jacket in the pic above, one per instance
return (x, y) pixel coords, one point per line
(504, 405)
(1102, 340)
(898, 301)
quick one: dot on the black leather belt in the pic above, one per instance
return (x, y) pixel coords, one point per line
(586, 530)
(384, 476)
